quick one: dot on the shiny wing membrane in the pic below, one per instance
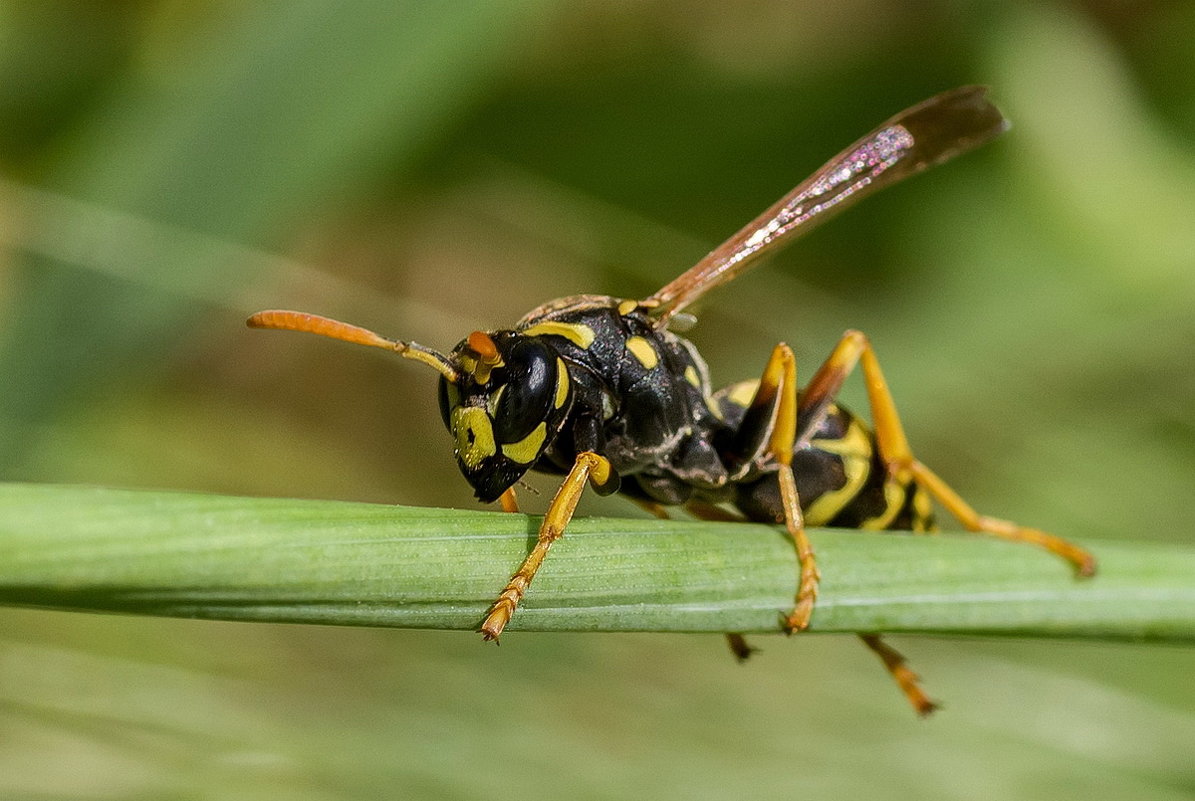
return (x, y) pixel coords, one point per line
(926, 134)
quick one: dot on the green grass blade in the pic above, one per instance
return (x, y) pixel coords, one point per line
(364, 564)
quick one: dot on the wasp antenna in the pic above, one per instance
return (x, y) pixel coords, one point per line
(324, 326)
(282, 320)
(432, 358)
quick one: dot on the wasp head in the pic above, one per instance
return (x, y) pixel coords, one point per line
(504, 396)
(510, 398)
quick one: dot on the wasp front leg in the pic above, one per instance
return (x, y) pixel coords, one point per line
(589, 468)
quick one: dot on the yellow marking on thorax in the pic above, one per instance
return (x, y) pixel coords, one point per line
(471, 420)
(525, 450)
(642, 350)
(627, 306)
(743, 393)
(562, 382)
(692, 377)
(579, 334)
(854, 448)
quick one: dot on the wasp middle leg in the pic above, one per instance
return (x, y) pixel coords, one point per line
(776, 398)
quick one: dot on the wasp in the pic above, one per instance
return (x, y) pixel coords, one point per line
(604, 392)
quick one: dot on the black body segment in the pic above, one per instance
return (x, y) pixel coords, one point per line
(639, 392)
(642, 399)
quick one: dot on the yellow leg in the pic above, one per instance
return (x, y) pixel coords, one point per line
(894, 450)
(779, 386)
(509, 501)
(1082, 560)
(708, 511)
(905, 678)
(902, 468)
(654, 509)
(589, 467)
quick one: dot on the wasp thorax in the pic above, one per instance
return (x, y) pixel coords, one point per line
(505, 408)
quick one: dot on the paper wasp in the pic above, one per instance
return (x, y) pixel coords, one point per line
(600, 390)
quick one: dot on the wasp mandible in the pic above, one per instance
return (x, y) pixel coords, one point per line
(601, 391)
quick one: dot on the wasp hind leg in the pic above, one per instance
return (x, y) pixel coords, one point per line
(588, 468)
(903, 470)
(901, 673)
(901, 466)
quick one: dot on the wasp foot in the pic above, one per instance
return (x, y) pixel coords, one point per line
(501, 611)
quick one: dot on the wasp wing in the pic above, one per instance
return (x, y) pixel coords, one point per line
(919, 137)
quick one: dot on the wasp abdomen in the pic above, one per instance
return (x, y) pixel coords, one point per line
(840, 479)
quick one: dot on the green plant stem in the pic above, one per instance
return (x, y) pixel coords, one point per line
(209, 556)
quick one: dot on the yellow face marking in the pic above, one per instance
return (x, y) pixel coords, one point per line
(562, 381)
(854, 448)
(580, 335)
(743, 393)
(642, 350)
(474, 435)
(525, 450)
(692, 377)
(627, 306)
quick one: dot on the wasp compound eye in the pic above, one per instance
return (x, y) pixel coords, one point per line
(525, 400)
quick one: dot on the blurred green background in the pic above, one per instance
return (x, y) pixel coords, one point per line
(429, 168)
